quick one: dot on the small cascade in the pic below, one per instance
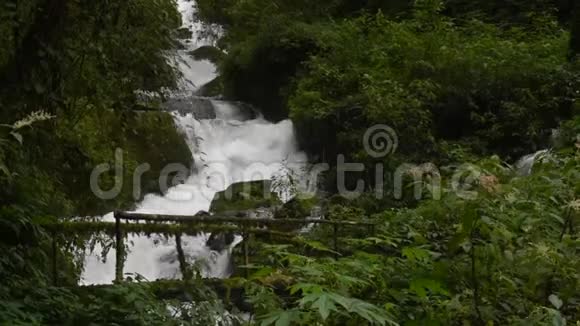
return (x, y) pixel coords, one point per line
(194, 73)
(202, 108)
(525, 165)
(226, 151)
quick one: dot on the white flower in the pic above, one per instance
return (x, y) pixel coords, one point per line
(575, 205)
(33, 117)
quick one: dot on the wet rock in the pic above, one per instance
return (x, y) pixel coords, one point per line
(244, 196)
(262, 213)
(207, 52)
(183, 33)
(200, 107)
(297, 208)
(202, 214)
(220, 241)
(214, 88)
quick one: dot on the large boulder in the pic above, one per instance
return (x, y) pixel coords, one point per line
(214, 88)
(201, 107)
(244, 196)
(207, 52)
(296, 208)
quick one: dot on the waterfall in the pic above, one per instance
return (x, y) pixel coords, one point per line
(525, 165)
(194, 73)
(229, 144)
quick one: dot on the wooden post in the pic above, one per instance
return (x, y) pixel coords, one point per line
(120, 251)
(185, 272)
(54, 259)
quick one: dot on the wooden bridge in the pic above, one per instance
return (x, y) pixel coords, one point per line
(177, 226)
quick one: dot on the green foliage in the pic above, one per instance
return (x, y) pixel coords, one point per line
(91, 54)
(430, 80)
(82, 62)
(266, 41)
(320, 292)
(506, 257)
(468, 78)
(124, 304)
(79, 144)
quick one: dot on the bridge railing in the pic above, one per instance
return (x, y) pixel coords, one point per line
(178, 225)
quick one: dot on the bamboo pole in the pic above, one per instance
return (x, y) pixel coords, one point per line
(185, 271)
(161, 228)
(216, 219)
(119, 254)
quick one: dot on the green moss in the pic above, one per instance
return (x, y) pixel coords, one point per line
(156, 141)
(297, 208)
(169, 230)
(244, 196)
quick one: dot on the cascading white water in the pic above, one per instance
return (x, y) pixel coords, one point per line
(525, 165)
(226, 150)
(194, 73)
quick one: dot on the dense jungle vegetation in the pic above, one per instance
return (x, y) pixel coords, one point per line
(480, 82)
(68, 72)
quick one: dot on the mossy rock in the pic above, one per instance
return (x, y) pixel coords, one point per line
(207, 52)
(297, 208)
(244, 196)
(214, 88)
(158, 142)
(183, 33)
(144, 138)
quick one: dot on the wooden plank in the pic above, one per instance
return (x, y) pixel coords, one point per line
(155, 228)
(216, 219)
